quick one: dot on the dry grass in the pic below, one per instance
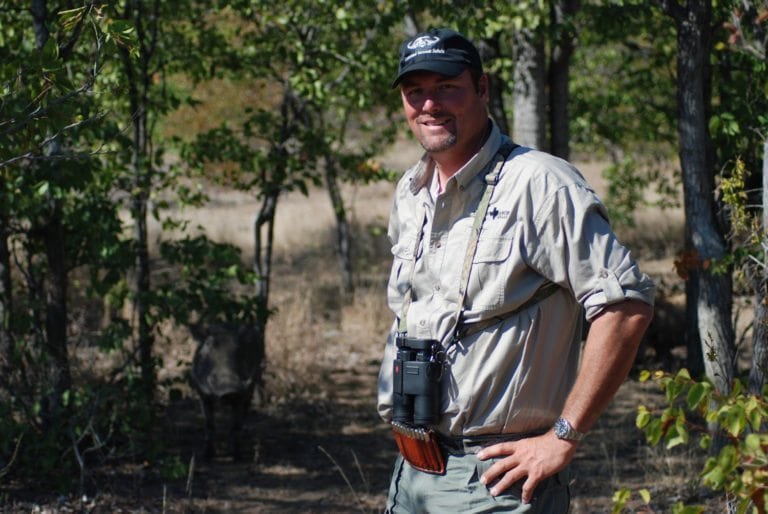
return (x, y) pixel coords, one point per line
(312, 309)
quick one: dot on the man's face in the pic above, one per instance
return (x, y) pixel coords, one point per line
(446, 114)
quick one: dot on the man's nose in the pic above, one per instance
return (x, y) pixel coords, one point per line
(431, 103)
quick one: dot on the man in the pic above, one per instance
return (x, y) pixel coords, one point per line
(499, 252)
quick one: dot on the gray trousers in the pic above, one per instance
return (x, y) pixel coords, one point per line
(460, 491)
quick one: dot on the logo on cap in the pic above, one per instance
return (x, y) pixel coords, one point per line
(442, 51)
(423, 42)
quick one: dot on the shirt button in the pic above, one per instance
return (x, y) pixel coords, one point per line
(603, 274)
(438, 244)
(437, 288)
(422, 323)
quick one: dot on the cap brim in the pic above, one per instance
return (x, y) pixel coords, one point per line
(449, 69)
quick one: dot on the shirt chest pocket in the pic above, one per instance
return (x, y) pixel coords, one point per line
(403, 260)
(489, 274)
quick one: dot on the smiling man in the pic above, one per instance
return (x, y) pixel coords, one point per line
(447, 115)
(500, 253)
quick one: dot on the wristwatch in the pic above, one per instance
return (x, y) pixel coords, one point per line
(564, 430)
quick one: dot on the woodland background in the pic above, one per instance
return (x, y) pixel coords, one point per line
(136, 135)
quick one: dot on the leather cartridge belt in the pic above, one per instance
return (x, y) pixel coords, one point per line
(419, 447)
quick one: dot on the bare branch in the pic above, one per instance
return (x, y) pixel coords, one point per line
(7, 467)
(40, 112)
(37, 155)
(747, 32)
(34, 157)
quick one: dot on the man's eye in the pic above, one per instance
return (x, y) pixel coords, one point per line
(413, 93)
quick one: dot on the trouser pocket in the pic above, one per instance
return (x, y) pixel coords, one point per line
(551, 496)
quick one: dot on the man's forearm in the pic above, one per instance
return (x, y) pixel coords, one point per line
(609, 354)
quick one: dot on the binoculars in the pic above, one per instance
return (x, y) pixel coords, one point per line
(417, 371)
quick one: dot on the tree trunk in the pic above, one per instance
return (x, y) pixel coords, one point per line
(55, 319)
(143, 287)
(713, 302)
(53, 238)
(411, 25)
(489, 50)
(39, 10)
(271, 186)
(263, 237)
(529, 126)
(694, 359)
(343, 237)
(139, 84)
(563, 45)
(6, 295)
(759, 369)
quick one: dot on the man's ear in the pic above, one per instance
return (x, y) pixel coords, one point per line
(482, 86)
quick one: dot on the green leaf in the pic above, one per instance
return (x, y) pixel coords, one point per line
(620, 499)
(71, 17)
(50, 55)
(674, 389)
(43, 188)
(697, 394)
(735, 421)
(653, 431)
(714, 478)
(752, 442)
(677, 434)
(643, 417)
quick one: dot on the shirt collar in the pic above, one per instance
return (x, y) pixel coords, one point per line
(426, 166)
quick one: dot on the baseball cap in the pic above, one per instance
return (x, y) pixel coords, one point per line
(442, 51)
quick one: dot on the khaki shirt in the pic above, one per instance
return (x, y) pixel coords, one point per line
(544, 224)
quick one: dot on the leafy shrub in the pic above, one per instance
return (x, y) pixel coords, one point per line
(730, 427)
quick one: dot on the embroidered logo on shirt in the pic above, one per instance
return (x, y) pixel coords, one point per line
(495, 213)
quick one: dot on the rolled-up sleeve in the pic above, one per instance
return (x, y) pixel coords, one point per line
(576, 248)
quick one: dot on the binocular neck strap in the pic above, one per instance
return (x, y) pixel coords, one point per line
(491, 179)
(402, 325)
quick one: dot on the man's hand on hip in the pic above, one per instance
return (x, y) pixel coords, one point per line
(533, 459)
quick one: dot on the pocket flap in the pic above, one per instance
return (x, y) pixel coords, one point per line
(493, 249)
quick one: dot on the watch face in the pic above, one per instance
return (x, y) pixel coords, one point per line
(563, 430)
(560, 428)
